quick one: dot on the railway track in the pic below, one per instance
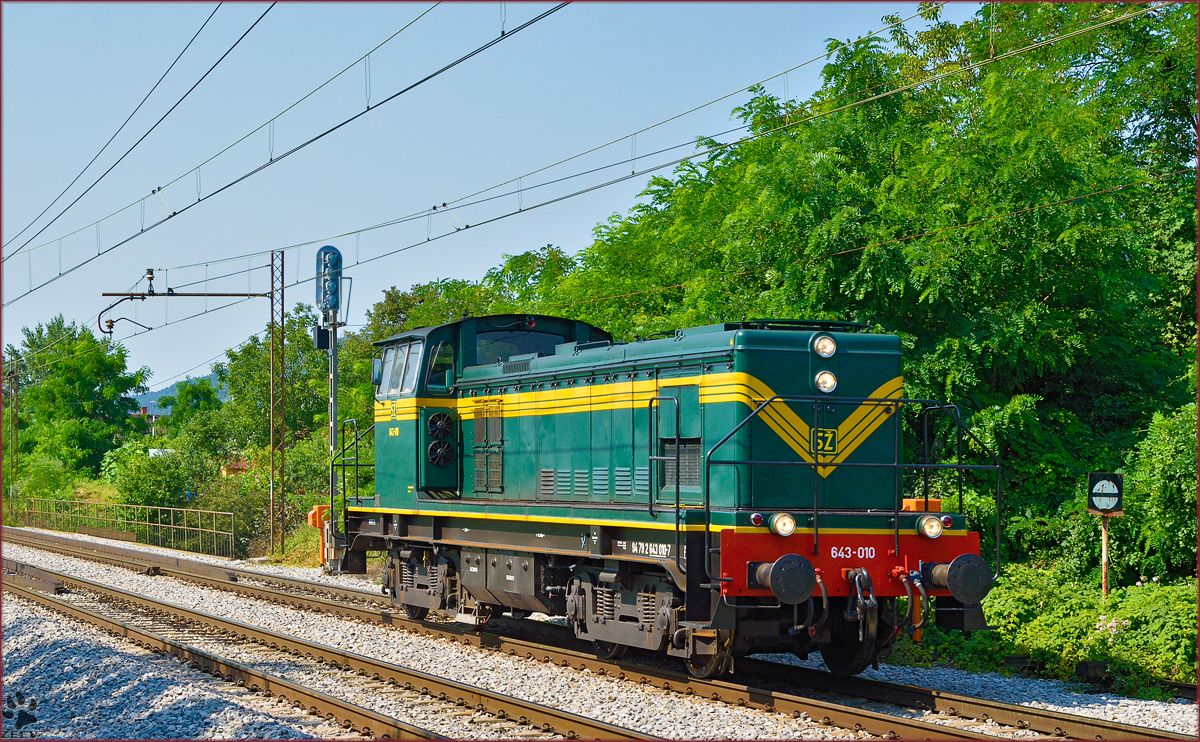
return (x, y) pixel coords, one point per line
(758, 684)
(374, 676)
(313, 702)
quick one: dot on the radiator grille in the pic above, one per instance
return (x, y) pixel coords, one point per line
(481, 472)
(690, 461)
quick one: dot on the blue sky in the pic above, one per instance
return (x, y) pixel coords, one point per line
(586, 75)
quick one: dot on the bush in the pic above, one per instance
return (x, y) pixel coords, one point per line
(41, 476)
(1161, 488)
(158, 481)
(1144, 631)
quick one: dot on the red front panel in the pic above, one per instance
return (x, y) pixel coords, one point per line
(871, 550)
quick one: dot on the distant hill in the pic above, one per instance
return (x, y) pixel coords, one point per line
(150, 399)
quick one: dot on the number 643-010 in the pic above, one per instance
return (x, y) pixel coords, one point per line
(851, 552)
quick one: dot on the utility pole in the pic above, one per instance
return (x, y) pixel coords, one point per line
(277, 331)
(277, 375)
(14, 436)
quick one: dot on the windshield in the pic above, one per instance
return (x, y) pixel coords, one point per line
(400, 364)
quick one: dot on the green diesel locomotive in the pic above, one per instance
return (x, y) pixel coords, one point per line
(723, 490)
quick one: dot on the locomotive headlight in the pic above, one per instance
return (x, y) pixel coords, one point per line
(826, 381)
(782, 524)
(825, 346)
(929, 526)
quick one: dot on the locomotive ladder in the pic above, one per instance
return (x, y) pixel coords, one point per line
(652, 430)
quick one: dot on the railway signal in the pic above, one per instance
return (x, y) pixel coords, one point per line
(333, 302)
(1106, 499)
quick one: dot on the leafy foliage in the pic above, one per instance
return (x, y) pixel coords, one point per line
(191, 396)
(75, 389)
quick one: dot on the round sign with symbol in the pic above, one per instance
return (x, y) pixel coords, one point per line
(1104, 493)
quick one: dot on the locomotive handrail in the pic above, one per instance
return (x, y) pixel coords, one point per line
(340, 460)
(651, 429)
(927, 406)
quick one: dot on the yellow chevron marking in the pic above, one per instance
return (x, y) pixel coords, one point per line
(714, 389)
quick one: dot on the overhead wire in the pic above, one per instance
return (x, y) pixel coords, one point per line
(789, 124)
(143, 137)
(935, 78)
(119, 128)
(983, 60)
(268, 123)
(459, 201)
(295, 149)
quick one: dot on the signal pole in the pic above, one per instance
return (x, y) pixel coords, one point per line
(329, 302)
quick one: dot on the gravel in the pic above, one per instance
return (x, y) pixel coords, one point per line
(79, 682)
(1052, 695)
(679, 717)
(618, 702)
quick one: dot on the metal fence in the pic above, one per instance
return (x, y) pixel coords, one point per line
(201, 531)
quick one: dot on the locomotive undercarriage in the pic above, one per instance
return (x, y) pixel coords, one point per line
(618, 605)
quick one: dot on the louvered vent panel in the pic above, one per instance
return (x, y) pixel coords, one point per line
(546, 484)
(622, 481)
(581, 483)
(516, 367)
(600, 483)
(562, 483)
(641, 478)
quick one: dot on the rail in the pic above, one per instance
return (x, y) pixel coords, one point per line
(822, 406)
(201, 531)
(736, 690)
(553, 720)
(365, 721)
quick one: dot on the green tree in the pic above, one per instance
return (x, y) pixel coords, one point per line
(76, 393)
(246, 374)
(191, 397)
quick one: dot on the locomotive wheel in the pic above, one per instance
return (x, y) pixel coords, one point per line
(846, 655)
(416, 612)
(706, 666)
(609, 650)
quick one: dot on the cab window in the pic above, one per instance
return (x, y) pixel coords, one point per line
(502, 344)
(410, 369)
(397, 374)
(441, 363)
(386, 375)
